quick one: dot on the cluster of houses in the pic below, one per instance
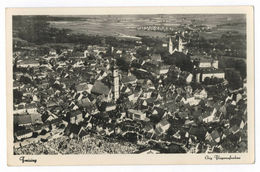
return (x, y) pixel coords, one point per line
(80, 95)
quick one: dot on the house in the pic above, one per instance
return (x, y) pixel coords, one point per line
(28, 63)
(148, 128)
(52, 52)
(82, 87)
(99, 88)
(131, 79)
(51, 104)
(210, 117)
(134, 96)
(200, 94)
(162, 69)
(189, 78)
(147, 151)
(209, 73)
(213, 136)
(136, 114)
(85, 102)
(197, 132)
(23, 134)
(78, 96)
(20, 109)
(147, 94)
(163, 125)
(156, 57)
(55, 123)
(205, 63)
(76, 117)
(37, 128)
(75, 131)
(16, 85)
(36, 118)
(110, 106)
(22, 120)
(31, 108)
(191, 101)
(83, 135)
(234, 129)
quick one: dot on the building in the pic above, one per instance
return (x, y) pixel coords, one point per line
(162, 69)
(116, 82)
(170, 46)
(83, 87)
(209, 73)
(180, 47)
(76, 117)
(22, 120)
(208, 63)
(99, 88)
(130, 79)
(23, 134)
(86, 53)
(136, 114)
(110, 106)
(156, 57)
(52, 52)
(28, 63)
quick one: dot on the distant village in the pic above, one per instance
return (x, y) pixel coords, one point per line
(84, 102)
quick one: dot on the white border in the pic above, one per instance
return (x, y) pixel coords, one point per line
(53, 3)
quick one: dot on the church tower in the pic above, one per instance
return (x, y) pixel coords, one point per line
(180, 46)
(116, 82)
(170, 46)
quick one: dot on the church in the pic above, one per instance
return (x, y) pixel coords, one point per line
(109, 91)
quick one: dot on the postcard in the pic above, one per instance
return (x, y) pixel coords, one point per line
(130, 85)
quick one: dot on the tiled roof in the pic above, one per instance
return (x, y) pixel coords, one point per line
(100, 88)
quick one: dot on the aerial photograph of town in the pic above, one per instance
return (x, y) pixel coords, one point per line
(129, 84)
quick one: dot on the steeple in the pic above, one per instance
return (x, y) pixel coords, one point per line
(170, 46)
(180, 46)
(116, 82)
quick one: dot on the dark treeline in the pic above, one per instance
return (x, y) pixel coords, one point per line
(37, 30)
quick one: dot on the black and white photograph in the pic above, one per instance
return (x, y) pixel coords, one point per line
(140, 84)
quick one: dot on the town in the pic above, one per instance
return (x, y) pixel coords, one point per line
(172, 95)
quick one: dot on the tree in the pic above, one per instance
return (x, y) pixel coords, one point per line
(35, 134)
(234, 79)
(142, 53)
(240, 65)
(25, 80)
(18, 95)
(122, 64)
(43, 132)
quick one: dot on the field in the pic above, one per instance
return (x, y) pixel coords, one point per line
(112, 25)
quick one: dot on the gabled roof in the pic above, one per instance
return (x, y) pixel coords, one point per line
(76, 112)
(23, 132)
(128, 79)
(73, 128)
(82, 133)
(22, 119)
(164, 122)
(85, 102)
(215, 134)
(100, 88)
(30, 106)
(82, 87)
(156, 57)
